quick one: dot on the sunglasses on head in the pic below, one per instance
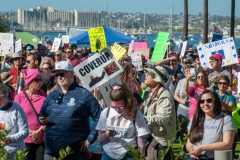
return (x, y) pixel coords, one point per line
(59, 74)
(209, 100)
(224, 83)
(119, 106)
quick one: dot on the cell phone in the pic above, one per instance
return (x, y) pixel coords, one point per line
(193, 72)
(150, 62)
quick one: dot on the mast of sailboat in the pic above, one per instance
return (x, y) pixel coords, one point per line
(144, 20)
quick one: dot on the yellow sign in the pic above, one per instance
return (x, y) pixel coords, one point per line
(94, 35)
(118, 51)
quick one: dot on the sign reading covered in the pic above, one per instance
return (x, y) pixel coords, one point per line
(97, 37)
(225, 47)
(6, 44)
(98, 69)
(118, 51)
(56, 44)
(158, 51)
(18, 45)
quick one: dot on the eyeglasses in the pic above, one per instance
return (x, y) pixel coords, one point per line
(37, 79)
(28, 61)
(200, 77)
(68, 52)
(78, 51)
(57, 55)
(209, 100)
(59, 74)
(119, 106)
(45, 68)
(224, 83)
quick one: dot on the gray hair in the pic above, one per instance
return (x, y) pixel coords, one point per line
(3, 90)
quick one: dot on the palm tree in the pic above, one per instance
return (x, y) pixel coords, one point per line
(232, 22)
(185, 21)
(205, 21)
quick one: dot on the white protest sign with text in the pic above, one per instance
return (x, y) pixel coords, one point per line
(225, 47)
(43, 42)
(18, 45)
(137, 60)
(107, 87)
(98, 69)
(65, 39)
(6, 44)
(184, 46)
(56, 44)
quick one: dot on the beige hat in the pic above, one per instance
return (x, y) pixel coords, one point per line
(158, 74)
(6, 77)
(189, 50)
(16, 55)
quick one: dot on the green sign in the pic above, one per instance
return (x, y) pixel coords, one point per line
(158, 51)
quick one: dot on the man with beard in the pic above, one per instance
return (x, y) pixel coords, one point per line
(66, 113)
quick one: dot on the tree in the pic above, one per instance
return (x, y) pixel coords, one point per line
(185, 21)
(205, 21)
(2, 25)
(232, 21)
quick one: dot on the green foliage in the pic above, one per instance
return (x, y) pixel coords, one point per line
(63, 153)
(135, 152)
(3, 28)
(20, 154)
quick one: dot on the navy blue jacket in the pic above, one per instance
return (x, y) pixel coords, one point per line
(69, 118)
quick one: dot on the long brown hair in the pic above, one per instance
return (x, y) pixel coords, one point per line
(124, 76)
(121, 92)
(205, 79)
(197, 130)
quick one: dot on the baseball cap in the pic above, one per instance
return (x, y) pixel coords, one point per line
(64, 65)
(218, 57)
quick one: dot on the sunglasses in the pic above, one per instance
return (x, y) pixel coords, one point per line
(27, 61)
(200, 77)
(45, 68)
(57, 55)
(209, 100)
(59, 74)
(119, 106)
(224, 83)
(68, 52)
(37, 79)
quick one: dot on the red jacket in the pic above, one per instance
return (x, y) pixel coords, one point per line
(13, 72)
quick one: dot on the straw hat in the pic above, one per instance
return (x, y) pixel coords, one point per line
(6, 77)
(16, 55)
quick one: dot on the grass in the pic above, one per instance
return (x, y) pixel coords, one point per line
(176, 149)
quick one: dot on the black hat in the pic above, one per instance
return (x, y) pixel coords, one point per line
(28, 47)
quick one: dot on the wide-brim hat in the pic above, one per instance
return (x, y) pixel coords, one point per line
(189, 50)
(16, 55)
(5, 77)
(28, 45)
(158, 74)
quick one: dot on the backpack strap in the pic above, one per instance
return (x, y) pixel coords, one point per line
(108, 110)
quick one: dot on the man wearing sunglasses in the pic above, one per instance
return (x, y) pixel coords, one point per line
(70, 57)
(33, 62)
(66, 112)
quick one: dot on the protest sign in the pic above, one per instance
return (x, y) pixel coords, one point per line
(18, 45)
(43, 42)
(130, 49)
(184, 46)
(107, 87)
(118, 51)
(144, 52)
(56, 44)
(97, 35)
(140, 45)
(98, 69)
(160, 45)
(6, 44)
(65, 39)
(225, 47)
(136, 60)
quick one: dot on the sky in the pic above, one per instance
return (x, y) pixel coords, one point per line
(216, 7)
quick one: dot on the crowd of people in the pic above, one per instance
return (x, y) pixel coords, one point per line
(47, 108)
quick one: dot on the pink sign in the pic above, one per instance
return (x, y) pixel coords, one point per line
(140, 45)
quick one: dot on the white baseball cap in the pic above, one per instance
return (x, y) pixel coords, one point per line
(64, 65)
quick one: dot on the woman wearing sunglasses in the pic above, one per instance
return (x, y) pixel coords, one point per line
(201, 83)
(209, 129)
(58, 56)
(228, 101)
(121, 124)
(31, 100)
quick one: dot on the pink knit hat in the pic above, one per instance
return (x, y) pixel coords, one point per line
(30, 74)
(218, 57)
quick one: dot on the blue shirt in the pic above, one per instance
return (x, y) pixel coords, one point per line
(69, 118)
(231, 98)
